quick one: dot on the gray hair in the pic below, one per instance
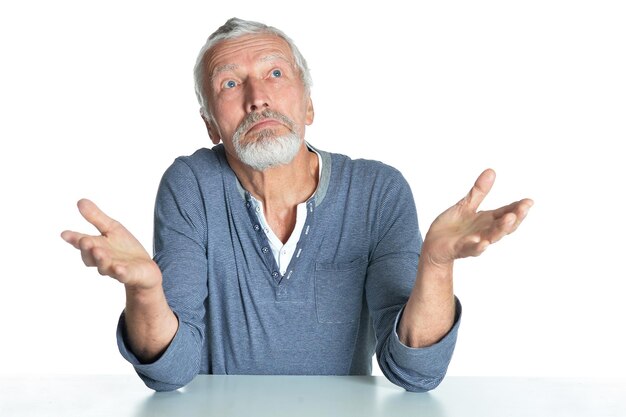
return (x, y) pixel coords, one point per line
(234, 28)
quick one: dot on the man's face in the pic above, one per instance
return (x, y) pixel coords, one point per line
(255, 93)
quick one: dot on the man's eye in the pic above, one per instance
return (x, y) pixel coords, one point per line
(230, 84)
(277, 73)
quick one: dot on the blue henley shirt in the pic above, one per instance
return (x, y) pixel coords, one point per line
(337, 304)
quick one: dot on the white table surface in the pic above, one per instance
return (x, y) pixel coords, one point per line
(295, 396)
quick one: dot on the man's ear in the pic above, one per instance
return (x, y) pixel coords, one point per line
(211, 129)
(310, 112)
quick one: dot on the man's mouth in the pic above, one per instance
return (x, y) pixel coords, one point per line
(267, 123)
(263, 123)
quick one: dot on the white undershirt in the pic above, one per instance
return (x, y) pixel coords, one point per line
(284, 253)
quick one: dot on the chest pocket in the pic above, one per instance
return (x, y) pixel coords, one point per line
(339, 290)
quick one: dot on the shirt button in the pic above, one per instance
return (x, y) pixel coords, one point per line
(265, 249)
(257, 208)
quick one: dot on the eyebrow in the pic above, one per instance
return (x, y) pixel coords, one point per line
(274, 57)
(223, 68)
(231, 67)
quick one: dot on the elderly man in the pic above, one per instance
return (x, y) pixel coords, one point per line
(274, 257)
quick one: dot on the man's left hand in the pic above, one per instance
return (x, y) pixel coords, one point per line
(462, 231)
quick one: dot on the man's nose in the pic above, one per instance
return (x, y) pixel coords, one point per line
(257, 97)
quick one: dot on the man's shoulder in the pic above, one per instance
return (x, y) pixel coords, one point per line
(363, 167)
(196, 167)
(199, 163)
(204, 157)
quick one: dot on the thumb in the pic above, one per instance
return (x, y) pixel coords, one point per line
(480, 189)
(95, 216)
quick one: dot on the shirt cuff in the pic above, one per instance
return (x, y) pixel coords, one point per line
(165, 372)
(430, 361)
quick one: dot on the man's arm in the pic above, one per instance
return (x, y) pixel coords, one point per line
(459, 232)
(161, 331)
(150, 323)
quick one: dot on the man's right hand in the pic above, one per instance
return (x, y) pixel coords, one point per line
(150, 323)
(115, 252)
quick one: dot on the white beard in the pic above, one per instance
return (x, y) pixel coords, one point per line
(267, 150)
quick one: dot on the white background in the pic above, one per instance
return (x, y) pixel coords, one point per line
(96, 100)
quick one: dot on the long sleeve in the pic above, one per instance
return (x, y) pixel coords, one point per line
(390, 278)
(180, 251)
(235, 317)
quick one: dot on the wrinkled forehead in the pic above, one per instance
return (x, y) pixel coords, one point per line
(247, 48)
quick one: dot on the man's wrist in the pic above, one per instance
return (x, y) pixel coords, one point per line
(431, 264)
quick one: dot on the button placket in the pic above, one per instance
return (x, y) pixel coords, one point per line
(264, 244)
(268, 257)
(289, 276)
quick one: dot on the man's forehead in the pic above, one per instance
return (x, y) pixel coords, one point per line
(261, 47)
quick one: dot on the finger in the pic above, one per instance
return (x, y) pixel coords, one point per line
(103, 262)
(94, 255)
(481, 247)
(95, 216)
(86, 246)
(521, 212)
(520, 208)
(72, 237)
(504, 226)
(125, 273)
(472, 246)
(480, 189)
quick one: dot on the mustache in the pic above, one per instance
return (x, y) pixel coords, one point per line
(254, 117)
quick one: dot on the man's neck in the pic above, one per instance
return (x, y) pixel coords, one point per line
(280, 189)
